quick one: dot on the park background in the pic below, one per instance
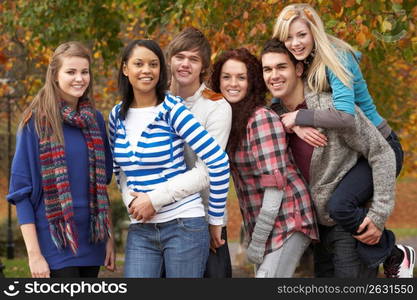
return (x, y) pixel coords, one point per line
(383, 30)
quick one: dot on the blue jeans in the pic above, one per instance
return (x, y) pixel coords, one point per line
(181, 246)
(346, 205)
(336, 255)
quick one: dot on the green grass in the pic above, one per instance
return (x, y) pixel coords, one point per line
(19, 268)
(16, 268)
(404, 232)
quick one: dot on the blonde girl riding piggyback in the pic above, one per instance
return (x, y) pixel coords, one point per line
(333, 64)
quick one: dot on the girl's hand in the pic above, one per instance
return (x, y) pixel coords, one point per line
(39, 268)
(110, 259)
(141, 207)
(216, 240)
(288, 119)
(311, 136)
(371, 236)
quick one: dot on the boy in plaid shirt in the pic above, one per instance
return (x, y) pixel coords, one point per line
(339, 254)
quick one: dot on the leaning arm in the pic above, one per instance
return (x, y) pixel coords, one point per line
(326, 118)
(218, 125)
(207, 149)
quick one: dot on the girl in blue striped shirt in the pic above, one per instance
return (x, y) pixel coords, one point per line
(147, 134)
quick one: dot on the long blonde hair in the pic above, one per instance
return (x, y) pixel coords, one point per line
(46, 105)
(327, 47)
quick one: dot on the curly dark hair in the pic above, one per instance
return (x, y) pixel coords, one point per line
(255, 97)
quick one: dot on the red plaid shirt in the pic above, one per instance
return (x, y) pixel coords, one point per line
(264, 152)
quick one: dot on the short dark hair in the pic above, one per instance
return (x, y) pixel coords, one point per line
(190, 39)
(274, 45)
(124, 85)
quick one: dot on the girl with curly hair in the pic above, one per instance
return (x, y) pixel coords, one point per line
(274, 200)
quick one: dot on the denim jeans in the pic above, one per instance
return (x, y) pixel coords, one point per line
(219, 264)
(336, 255)
(181, 246)
(346, 205)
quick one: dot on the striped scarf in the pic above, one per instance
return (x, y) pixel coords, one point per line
(56, 186)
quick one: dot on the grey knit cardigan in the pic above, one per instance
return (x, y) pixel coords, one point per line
(330, 164)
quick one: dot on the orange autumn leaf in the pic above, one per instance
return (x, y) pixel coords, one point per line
(350, 3)
(337, 6)
(361, 38)
(3, 58)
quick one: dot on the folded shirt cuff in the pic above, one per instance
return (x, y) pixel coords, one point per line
(25, 213)
(215, 220)
(379, 221)
(305, 117)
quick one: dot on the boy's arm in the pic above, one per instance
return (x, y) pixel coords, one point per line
(342, 116)
(367, 140)
(206, 148)
(218, 124)
(327, 118)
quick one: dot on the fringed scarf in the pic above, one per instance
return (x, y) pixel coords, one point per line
(56, 186)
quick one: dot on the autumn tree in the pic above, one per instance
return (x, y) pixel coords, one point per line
(32, 29)
(383, 30)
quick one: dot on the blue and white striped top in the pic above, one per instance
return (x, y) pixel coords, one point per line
(160, 156)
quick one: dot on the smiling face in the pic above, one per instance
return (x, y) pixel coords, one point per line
(142, 68)
(186, 67)
(280, 74)
(300, 41)
(73, 77)
(234, 80)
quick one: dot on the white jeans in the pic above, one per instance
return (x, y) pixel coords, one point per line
(283, 261)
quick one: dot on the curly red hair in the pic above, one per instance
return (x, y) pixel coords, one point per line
(255, 97)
